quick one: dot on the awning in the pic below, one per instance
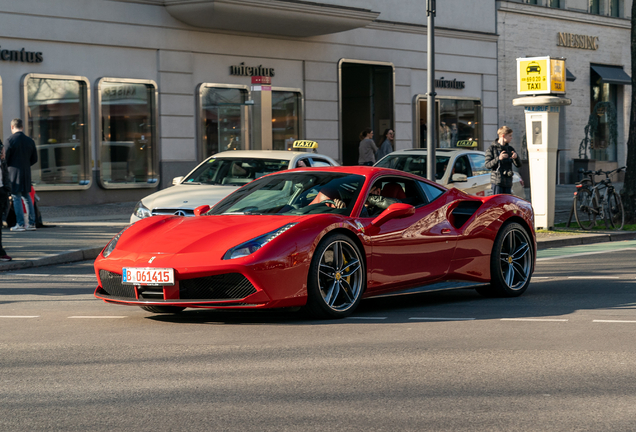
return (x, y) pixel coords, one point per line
(612, 74)
(569, 76)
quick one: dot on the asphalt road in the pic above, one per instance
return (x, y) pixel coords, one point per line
(559, 358)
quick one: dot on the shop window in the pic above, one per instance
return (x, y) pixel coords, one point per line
(459, 124)
(56, 113)
(128, 134)
(222, 119)
(286, 118)
(554, 3)
(603, 119)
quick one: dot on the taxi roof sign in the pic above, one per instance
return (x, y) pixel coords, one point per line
(467, 143)
(305, 144)
(540, 75)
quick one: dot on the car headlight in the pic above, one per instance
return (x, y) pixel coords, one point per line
(110, 247)
(141, 211)
(251, 246)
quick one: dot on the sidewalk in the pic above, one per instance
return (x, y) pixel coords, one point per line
(77, 233)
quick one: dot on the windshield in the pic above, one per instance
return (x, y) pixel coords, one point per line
(234, 171)
(295, 194)
(415, 164)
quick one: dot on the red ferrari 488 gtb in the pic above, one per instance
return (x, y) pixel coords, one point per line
(323, 238)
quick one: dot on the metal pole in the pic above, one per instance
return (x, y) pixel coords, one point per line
(430, 96)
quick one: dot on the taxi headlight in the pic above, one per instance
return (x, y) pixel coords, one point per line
(110, 247)
(251, 246)
(141, 211)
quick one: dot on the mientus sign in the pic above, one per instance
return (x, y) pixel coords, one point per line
(20, 56)
(243, 70)
(452, 84)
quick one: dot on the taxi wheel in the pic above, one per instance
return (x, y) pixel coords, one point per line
(337, 278)
(163, 309)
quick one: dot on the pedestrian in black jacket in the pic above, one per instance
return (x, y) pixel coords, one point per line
(21, 154)
(5, 190)
(500, 157)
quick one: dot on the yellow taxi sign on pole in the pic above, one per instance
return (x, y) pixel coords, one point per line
(540, 75)
(304, 144)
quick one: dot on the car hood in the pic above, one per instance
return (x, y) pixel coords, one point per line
(187, 196)
(209, 234)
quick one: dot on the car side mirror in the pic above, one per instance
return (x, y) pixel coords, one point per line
(459, 178)
(394, 211)
(201, 209)
(177, 180)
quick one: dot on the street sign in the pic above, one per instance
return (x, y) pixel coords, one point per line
(540, 75)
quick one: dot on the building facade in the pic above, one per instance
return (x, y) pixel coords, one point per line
(594, 38)
(123, 95)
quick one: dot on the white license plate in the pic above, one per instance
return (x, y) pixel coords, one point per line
(147, 276)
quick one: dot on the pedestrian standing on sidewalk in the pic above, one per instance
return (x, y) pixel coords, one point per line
(499, 160)
(386, 147)
(367, 149)
(20, 155)
(5, 190)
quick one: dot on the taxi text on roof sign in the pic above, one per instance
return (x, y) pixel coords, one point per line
(305, 144)
(540, 75)
(466, 143)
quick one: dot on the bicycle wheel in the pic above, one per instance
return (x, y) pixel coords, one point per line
(614, 214)
(583, 205)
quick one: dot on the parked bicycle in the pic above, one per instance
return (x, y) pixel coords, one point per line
(598, 200)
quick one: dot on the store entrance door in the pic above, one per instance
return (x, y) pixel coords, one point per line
(367, 101)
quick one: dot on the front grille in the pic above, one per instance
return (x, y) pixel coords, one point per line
(220, 287)
(111, 282)
(172, 211)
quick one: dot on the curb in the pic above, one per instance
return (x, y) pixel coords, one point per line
(61, 258)
(585, 239)
(92, 253)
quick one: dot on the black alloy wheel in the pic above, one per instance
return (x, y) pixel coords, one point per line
(337, 278)
(511, 262)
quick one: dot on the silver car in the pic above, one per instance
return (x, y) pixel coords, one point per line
(218, 176)
(462, 169)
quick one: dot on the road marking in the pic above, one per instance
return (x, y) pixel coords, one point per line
(19, 316)
(613, 321)
(367, 318)
(441, 319)
(534, 319)
(99, 317)
(593, 277)
(541, 277)
(572, 251)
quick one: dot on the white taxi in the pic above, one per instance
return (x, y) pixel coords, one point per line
(223, 173)
(461, 169)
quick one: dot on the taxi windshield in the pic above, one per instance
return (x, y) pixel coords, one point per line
(414, 164)
(295, 194)
(234, 171)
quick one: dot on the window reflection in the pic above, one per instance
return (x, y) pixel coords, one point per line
(285, 119)
(128, 151)
(460, 122)
(222, 117)
(57, 122)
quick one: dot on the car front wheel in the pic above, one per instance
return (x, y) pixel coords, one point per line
(337, 278)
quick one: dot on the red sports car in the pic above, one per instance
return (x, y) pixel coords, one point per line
(323, 238)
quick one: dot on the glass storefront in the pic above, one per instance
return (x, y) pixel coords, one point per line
(286, 115)
(603, 117)
(128, 149)
(57, 118)
(222, 119)
(457, 125)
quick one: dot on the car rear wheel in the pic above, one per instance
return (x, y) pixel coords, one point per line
(163, 309)
(337, 278)
(510, 263)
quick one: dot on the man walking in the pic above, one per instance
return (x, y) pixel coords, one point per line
(5, 190)
(21, 154)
